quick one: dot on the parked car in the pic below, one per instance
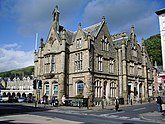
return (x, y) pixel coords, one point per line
(21, 99)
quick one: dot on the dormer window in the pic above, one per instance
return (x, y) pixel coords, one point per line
(79, 43)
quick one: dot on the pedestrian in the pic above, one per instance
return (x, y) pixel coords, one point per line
(159, 103)
(163, 108)
(116, 104)
(63, 100)
(53, 100)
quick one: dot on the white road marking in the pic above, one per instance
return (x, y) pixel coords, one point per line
(124, 117)
(113, 116)
(135, 118)
(139, 109)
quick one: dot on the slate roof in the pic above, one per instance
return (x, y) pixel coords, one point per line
(93, 29)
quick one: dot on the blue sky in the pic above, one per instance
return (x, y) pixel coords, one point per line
(20, 20)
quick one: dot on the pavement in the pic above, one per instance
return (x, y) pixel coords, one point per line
(155, 116)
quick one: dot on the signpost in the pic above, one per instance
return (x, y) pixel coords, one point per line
(37, 85)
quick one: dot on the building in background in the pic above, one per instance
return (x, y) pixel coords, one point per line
(161, 14)
(92, 63)
(17, 87)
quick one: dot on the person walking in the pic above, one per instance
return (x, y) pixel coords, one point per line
(63, 100)
(159, 103)
(116, 104)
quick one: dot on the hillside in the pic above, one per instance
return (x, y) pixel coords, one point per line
(153, 46)
(18, 72)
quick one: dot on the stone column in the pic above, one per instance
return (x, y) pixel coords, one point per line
(61, 91)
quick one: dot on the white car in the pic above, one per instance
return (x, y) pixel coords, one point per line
(21, 100)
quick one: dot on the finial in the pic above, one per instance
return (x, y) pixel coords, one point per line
(56, 7)
(103, 18)
(132, 28)
(79, 25)
(64, 34)
(142, 41)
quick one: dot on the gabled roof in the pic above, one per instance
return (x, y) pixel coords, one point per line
(93, 29)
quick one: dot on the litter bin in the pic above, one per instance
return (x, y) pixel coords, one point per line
(121, 101)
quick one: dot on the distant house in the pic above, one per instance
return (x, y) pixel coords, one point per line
(17, 87)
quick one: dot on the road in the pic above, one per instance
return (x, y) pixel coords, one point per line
(126, 115)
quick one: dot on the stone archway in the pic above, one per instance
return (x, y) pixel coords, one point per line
(46, 88)
(55, 88)
(23, 95)
(4, 94)
(9, 94)
(18, 95)
(13, 94)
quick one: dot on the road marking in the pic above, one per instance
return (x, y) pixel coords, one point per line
(135, 118)
(104, 115)
(124, 117)
(113, 116)
(139, 109)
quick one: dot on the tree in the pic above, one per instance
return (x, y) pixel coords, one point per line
(153, 46)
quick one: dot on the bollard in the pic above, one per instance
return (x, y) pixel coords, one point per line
(36, 103)
(141, 100)
(88, 102)
(102, 104)
(131, 101)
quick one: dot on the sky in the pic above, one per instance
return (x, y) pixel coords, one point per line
(20, 20)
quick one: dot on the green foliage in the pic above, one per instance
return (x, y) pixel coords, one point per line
(18, 72)
(153, 46)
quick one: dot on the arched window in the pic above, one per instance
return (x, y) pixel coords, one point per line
(104, 44)
(112, 89)
(55, 89)
(79, 87)
(47, 88)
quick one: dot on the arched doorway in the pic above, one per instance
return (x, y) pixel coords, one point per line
(46, 88)
(9, 94)
(18, 95)
(104, 89)
(129, 91)
(4, 94)
(13, 94)
(23, 95)
(55, 89)
(140, 90)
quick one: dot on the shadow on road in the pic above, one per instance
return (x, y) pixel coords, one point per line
(11, 122)
(10, 109)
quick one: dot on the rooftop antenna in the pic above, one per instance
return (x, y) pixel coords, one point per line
(36, 41)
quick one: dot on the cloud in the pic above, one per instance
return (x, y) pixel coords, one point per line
(11, 46)
(36, 15)
(122, 14)
(14, 59)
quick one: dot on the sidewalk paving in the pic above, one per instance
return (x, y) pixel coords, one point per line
(31, 119)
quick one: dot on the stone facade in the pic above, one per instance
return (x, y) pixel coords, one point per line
(17, 86)
(92, 63)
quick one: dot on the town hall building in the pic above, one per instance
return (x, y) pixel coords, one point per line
(93, 63)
